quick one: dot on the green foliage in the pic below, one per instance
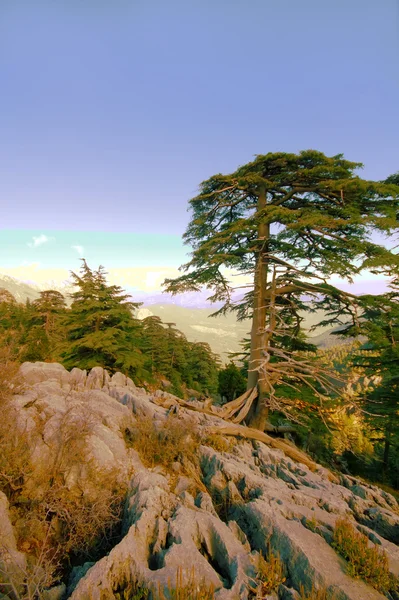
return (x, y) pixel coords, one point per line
(291, 220)
(232, 382)
(378, 322)
(168, 353)
(365, 561)
(100, 328)
(320, 208)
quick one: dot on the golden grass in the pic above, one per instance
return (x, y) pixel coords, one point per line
(364, 561)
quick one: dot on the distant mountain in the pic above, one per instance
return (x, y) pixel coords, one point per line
(20, 290)
(186, 299)
(23, 290)
(222, 333)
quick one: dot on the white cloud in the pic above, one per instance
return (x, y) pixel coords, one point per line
(79, 249)
(39, 240)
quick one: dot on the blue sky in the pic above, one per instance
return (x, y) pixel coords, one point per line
(112, 113)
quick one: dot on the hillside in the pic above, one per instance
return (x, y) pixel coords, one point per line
(235, 519)
(224, 333)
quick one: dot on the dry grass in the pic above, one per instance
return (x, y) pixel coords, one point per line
(173, 441)
(369, 563)
(219, 442)
(28, 583)
(185, 587)
(312, 524)
(52, 522)
(270, 573)
(320, 594)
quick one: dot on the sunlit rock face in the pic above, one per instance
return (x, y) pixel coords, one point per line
(248, 500)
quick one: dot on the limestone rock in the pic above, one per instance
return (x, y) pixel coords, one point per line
(241, 502)
(42, 371)
(12, 562)
(96, 378)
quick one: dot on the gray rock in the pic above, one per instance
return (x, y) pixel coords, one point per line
(286, 593)
(265, 500)
(95, 379)
(12, 562)
(383, 521)
(182, 485)
(42, 371)
(76, 575)
(77, 378)
(118, 379)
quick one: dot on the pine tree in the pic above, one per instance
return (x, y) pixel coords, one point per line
(232, 382)
(101, 330)
(203, 366)
(44, 333)
(378, 321)
(290, 221)
(12, 323)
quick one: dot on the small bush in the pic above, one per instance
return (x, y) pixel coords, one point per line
(369, 563)
(312, 524)
(174, 440)
(218, 442)
(270, 573)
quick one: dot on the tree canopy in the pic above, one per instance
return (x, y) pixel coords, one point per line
(289, 221)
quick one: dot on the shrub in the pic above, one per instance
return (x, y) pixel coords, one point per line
(369, 563)
(15, 444)
(270, 573)
(218, 442)
(174, 440)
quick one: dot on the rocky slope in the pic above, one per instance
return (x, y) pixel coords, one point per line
(244, 499)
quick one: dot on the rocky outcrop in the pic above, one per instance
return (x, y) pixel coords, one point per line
(250, 498)
(12, 562)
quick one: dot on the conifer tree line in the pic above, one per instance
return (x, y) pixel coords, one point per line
(100, 329)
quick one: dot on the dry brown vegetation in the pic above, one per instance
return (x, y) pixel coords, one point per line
(54, 522)
(320, 593)
(186, 586)
(167, 443)
(164, 443)
(270, 573)
(364, 560)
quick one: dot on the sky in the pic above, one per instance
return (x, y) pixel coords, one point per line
(112, 113)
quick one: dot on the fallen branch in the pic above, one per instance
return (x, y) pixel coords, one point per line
(254, 434)
(234, 429)
(240, 405)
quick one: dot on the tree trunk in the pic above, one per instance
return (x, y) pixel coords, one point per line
(387, 447)
(259, 415)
